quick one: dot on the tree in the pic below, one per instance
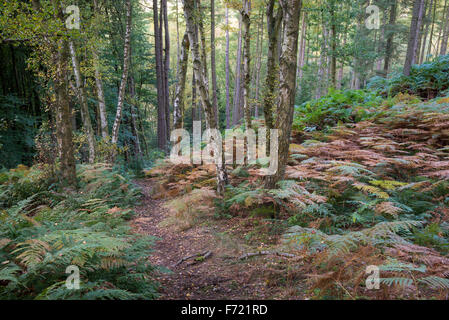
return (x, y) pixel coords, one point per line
(246, 23)
(99, 85)
(200, 71)
(162, 129)
(274, 20)
(124, 78)
(178, 113)
(87, 124)
(302, 47)
(415, 26)
(166, 69)
(287, 88)
(212, 60)
(236, 115)
(228, 102)
(444, 40)
(390, 36)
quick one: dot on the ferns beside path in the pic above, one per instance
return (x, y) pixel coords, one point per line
(43, 230)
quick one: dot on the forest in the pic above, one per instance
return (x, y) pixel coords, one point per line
(224, 150)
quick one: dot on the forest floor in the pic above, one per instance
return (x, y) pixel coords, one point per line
(222, 274)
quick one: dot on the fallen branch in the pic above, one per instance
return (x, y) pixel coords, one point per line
(204, 255)
(267, 253)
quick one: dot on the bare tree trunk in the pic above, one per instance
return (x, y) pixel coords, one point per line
(441, 29)
(100, 91)
(418, 12)
(246, 22)
(124, 80)
(101, 99)
(178, 114)
(178, 46)
(380, 44)
(321, 66)
(87, 124)
(302, 49)
(420, 33)
(333, 44)
(274, 21)
(422, 56)
(258, 68)
(199, 69)
(194, 104)
(212, 60)
(161, 118)
(228, 95)
(287, 88)
(238, 77)
(444, 41)
(341, 69)
(429, 49)
(63, 114)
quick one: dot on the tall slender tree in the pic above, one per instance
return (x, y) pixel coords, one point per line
(287, 88)
(212, 60)
(178, 110)
(390, 36)
(87, 123)
(200, 71)
(162, 130)
(274, 21)
(124, 79)
(228, 94)
(246, 23)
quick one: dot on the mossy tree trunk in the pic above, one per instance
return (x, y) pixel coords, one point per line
(287, 87)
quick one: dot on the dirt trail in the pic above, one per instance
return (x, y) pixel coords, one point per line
(220, 276)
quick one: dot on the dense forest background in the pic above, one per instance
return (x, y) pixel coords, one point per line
(335, 51)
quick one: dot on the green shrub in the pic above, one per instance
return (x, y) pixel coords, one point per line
(337, 106)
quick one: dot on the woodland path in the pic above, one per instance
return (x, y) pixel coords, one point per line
(220, 276)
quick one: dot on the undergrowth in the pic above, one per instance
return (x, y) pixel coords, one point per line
(45, 229)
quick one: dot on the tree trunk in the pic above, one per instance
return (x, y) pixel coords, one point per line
(287, 87)
(178, 114)
(199, 69)
(246, 22)
(238, 77)
(124, 80)
(274, 21)
(444, 41)
(418, 12)
(101, 99)
(100, 91)
(228, 94)
(302, 48)
(164, 16)
(333, 67)
(380, 43)
(161, 118)
(258, 67)
(133, 108)
(422, 55)
(429, 49)
(321, 66)
(212, 60)
(87, 124)
(63, 114)
(389, 44)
